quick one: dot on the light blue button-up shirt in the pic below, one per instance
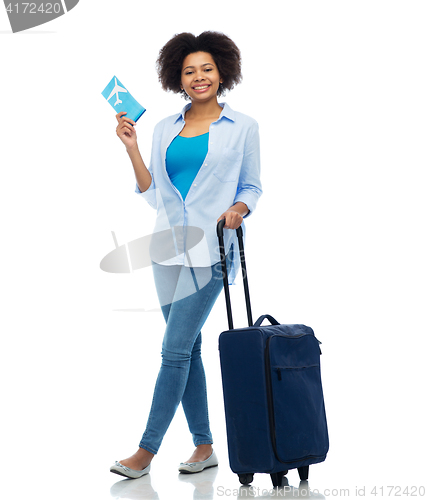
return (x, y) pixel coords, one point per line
(229, 173)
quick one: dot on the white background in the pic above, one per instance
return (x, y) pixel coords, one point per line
(337, 240)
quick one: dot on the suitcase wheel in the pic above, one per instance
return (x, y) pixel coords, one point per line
(303, 473)
(277, 478)
(246, 478)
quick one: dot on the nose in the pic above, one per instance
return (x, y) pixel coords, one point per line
(199, 76)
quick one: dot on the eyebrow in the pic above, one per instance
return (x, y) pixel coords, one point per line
(194, 66)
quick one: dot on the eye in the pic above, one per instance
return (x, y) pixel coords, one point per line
(188, 72)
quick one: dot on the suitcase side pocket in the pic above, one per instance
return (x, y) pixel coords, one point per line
(296, 407)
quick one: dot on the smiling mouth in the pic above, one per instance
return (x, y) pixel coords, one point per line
(201, 87)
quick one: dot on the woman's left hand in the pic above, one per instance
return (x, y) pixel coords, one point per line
(232, 219)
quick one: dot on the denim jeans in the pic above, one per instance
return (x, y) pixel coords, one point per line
(182, 377)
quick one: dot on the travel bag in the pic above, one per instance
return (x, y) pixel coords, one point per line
(273, 398)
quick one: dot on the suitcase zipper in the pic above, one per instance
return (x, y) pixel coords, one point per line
(279, 369)
(270, 397)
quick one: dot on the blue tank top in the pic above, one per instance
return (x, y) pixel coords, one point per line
(184, 157)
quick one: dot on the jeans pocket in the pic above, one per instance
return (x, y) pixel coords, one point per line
(228, 168)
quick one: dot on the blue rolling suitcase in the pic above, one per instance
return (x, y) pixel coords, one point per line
(273, 398)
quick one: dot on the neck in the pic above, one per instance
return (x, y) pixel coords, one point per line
(205, 109)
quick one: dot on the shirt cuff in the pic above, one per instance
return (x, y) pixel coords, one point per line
(149, 195)
(249, 198)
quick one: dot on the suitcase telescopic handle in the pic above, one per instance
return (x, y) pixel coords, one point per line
(220, 233)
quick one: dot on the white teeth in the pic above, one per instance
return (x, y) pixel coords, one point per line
(200, 88)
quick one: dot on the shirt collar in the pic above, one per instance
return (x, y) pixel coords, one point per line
(226, 112)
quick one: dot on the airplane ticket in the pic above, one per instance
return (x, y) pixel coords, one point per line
(121, 100)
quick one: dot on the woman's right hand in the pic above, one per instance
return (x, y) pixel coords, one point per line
(125, 131)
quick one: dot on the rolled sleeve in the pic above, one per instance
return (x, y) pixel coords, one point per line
(249, 188)
(149, 194)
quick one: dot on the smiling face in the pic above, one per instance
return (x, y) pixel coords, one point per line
(200, 77)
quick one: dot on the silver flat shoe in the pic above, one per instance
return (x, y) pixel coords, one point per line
(191, 467)
(122, 470)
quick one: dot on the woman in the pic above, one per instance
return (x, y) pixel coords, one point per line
(204, 167)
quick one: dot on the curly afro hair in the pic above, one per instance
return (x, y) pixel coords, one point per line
(222, 49)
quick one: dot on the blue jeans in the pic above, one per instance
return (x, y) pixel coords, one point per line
(182, 377)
